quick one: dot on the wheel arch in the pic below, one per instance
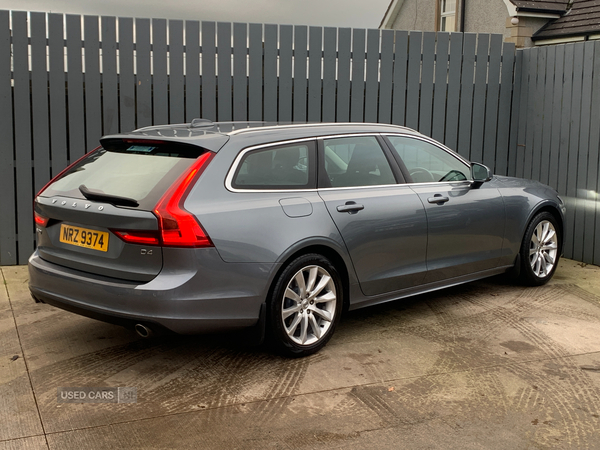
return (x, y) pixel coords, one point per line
(329, 251)
(553, 209)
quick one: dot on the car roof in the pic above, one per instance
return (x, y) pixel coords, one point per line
(213, 135)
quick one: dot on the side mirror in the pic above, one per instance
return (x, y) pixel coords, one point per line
(480, 174)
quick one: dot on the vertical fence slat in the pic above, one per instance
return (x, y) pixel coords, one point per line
(538, 102)
(240, 66)
(466, 98)
(270, 73)
(143, 78)
(516, 161)
(8, 230)
(209, 87)
(453, 102)
(329, 59)
(192, 70)
(76, 107)
(357, 97)
(39, 101)
(580, 239)
(58, 112)
(126, 76)
(224, 82)
(400, 81)
(514, 114)
(372, 76)
(413, 80)
(565, 119)
(300, 61)
(343, 84)
(493, 92)
(93, 96)
(176, 97)
(479, 98)
(160, 95)
(440, 88)
(386, 73)
(286, 36)
(556, 116)
(504, 109)
(591, 252)
(315, 45)
(526, 170)
(575, 122)
(547, 117)
(255, 62)
(23, 136)
(110, 92)
(426, 103)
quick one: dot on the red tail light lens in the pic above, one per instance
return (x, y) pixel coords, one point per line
(40, 220)
(138, 237)
(178, 227)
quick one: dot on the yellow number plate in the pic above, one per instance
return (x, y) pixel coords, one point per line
(82, 237)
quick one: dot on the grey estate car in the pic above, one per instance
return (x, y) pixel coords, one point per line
(210, 226)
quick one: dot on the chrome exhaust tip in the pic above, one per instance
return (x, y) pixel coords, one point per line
(143, 330)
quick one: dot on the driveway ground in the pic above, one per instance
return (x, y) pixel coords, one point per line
(485, 365)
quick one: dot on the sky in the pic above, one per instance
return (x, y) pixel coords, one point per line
(335, 13)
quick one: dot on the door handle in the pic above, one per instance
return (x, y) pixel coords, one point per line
(438, 199)
(350, 207)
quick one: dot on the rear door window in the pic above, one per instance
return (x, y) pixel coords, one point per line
(286, 166)
(139, 171)
(356, 161)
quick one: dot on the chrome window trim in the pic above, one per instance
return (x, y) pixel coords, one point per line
(240, 156)
(238, 159)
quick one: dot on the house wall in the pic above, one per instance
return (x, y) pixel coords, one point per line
(416, 15)
(486, 16)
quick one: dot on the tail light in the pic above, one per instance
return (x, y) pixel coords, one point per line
(178, 227)
(40, 220)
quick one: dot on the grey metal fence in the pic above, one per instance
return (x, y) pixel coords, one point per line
(558, 137)
(67, 80)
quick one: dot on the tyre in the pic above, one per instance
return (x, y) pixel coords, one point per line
(540, 250)
(305, 305)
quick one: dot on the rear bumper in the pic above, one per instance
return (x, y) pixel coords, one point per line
(200, 293)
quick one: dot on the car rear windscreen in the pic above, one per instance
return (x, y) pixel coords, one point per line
(141, 171)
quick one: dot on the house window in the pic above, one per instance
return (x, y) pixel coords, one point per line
(446, 15)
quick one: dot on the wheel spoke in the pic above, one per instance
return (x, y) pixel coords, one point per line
(289, 293)
(322, 313)
(291, 330)
(315, 326)
(548, 258)
(289, 311)
(312, 277)
(303, 328)
(548, 238)
(326, 298)
(301, 284)
(324, 281)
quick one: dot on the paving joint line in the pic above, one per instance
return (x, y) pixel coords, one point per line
(37, 406)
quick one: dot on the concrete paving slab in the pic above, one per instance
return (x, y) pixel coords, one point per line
(19, 416)
(483, 365)
(30, 443)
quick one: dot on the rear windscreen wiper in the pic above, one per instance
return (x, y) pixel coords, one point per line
(108, 198)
